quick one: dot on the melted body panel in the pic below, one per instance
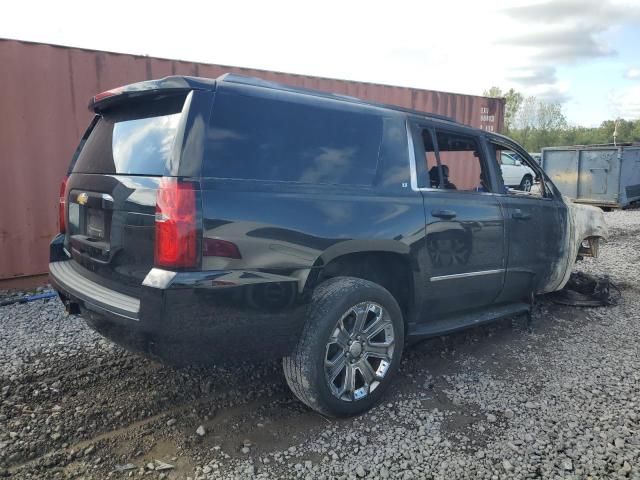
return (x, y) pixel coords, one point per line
(535, 244)
(583, 222)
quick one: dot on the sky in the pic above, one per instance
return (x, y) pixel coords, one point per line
(584, 54)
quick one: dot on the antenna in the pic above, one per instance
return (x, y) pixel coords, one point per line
(615, 131)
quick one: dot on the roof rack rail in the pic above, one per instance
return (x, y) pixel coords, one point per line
(259, 82)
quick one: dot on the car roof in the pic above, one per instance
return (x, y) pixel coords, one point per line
(258, 82)
(203, 83)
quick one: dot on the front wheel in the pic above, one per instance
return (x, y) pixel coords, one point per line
(350, 347)
(526, 183)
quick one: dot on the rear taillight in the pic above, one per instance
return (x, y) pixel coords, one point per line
(62, 202)
(176, 225)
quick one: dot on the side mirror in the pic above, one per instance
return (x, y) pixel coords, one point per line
(518, 163)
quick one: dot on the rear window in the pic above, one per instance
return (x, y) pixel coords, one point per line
(263, 139)
(135, 138)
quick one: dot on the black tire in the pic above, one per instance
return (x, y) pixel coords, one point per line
(330, 306)
(526, 183)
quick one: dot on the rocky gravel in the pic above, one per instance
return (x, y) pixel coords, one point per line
(496, 402)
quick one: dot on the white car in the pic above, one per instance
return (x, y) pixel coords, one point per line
(514, 173)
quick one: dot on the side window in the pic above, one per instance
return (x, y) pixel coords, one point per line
(455, 162)
(518, 175)
(430, 158)
(505, 158)
(256, 138)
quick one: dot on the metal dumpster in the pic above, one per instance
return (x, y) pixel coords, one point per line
(603, 175)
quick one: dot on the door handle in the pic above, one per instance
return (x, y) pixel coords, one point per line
(520, 215)
(446, 214)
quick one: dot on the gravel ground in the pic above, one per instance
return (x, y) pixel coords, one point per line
(493, 402)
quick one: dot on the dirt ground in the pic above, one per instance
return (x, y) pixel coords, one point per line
(492, 402)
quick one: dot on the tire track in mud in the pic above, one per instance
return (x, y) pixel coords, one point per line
(165, 392)
(238, 411)
(124, 430)
(73, 374)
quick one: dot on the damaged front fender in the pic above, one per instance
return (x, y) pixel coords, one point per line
(586, 230)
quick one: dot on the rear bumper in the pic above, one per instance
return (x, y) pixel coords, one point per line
(92, 295)
(191, 317)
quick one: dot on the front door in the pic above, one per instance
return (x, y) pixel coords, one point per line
(535, 225)
(465, 250)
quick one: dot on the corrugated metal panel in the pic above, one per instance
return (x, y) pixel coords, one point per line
(43, 98)
(608, 176)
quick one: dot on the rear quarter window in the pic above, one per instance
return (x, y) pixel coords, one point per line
(255, 138)
(135, 138)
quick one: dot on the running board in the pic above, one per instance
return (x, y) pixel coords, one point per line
(467, 320)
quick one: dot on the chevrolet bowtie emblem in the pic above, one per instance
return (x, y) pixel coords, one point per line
(83, 198)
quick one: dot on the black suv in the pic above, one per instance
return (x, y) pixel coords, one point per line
(235, 219)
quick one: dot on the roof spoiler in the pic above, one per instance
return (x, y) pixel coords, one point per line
(167, 85)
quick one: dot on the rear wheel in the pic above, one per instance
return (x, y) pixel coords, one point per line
(350, 347)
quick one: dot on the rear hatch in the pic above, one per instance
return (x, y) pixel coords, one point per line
(131, 145)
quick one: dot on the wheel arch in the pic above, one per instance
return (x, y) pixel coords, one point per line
(585, 223)
(386, 263)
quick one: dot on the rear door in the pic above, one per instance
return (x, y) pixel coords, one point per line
(465, 258)
(111, 190)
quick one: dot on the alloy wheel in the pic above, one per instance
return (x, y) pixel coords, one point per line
(359, 351)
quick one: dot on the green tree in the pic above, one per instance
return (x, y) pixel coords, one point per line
(537, 124)
(513, 100)
(635, 134)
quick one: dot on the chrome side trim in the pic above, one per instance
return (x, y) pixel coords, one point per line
(466, 275)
